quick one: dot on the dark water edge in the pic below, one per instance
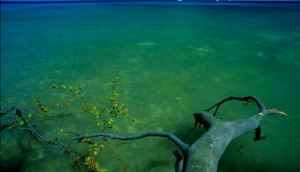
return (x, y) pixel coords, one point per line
(162, 83)
(291, 4)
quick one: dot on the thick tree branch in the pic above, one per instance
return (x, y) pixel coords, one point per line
(204, 154)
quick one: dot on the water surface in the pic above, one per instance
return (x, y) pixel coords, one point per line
(172, 60)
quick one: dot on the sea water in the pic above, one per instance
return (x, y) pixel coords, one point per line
(172, 61)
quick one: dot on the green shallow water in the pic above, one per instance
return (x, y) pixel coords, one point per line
(172, 60)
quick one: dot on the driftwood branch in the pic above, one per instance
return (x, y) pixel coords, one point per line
(204, 154)
(168, 135)
(260, 106)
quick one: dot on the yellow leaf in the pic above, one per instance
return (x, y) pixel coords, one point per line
(95, 153)
(21, 122)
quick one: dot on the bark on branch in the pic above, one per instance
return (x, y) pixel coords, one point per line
(204, 154)
(183, 147)
(201, 156)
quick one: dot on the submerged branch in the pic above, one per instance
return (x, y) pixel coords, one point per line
(4, 113)
(168, 135)
(260, 106)
(37, 135)
(202, 155)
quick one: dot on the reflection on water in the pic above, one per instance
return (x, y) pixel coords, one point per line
(173, 61)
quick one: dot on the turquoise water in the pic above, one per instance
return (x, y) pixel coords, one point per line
(172, 61)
